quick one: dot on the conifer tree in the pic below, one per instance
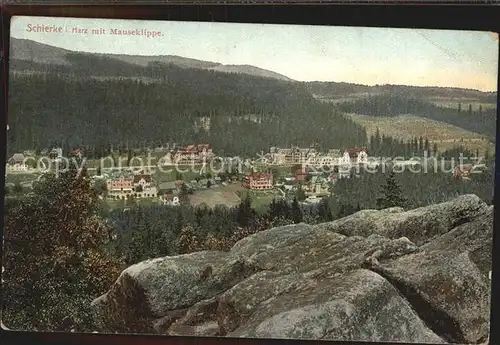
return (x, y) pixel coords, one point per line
(391, 193)
(297, 215)
(324, 212)
(245, 212)
(184, 195)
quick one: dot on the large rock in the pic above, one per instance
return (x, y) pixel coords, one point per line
(447, 283)
(390, 275)
(172, 283)
(355, 307)
(419, 225)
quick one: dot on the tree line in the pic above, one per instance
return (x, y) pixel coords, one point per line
(70, 107)
(482, 121)
(381, 145)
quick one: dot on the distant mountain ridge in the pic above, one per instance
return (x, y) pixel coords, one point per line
(28, 50)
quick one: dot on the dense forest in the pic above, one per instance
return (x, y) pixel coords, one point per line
(332, 90)
(68, 107)
(482, 121)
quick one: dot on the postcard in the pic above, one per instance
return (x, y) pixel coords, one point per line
(249, 180)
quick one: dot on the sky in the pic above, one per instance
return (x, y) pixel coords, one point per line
(363, 55)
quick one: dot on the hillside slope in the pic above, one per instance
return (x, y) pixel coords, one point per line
(184, 105)
(405, 127)
(481, 121)
(31, 51)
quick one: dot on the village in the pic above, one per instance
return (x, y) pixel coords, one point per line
(281, 173)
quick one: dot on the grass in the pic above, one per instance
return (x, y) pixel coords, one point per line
(19, 178)
(444, 135)
(282, 170)
(114, 204)
(260, 199)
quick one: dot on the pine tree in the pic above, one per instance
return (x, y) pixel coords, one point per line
(188, 242)
(345, 209)
(184, 195)
(421, 145)
(129, 157)
(427, 147)
(300, 194)
(324, 213)
(391, 194)
(297, 215)
(245, 216)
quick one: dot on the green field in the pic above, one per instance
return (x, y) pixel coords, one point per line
(19, 178)
(115, 204)
(260, 199)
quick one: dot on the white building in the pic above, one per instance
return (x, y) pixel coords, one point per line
(345, 159)
(171, 202)
(17, 163)
(354, 156)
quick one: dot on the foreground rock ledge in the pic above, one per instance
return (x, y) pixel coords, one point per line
(389, 275)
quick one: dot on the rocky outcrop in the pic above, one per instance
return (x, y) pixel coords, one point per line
(419, 225)
(390, 275)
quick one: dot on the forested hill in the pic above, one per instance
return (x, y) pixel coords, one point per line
(32, 54)
(335, 90)
(237, 113)
(482, 121)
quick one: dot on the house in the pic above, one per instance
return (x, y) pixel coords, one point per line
(192, 154)
(143, 186)
(77, 153)
(354, 156)
(194, 184)
(29, 153)
(258, 180)
(167, 187)
(166, 159)
(147, 192)
(143, 180)
(333, 178)
(334, 153)
(463, 171)
(294, 155)
(56, 153)
(301, 175)
(121, 185)
(17, 163)
(170, 200)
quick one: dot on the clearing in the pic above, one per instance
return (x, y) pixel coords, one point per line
(444, 135)
(221, 195)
